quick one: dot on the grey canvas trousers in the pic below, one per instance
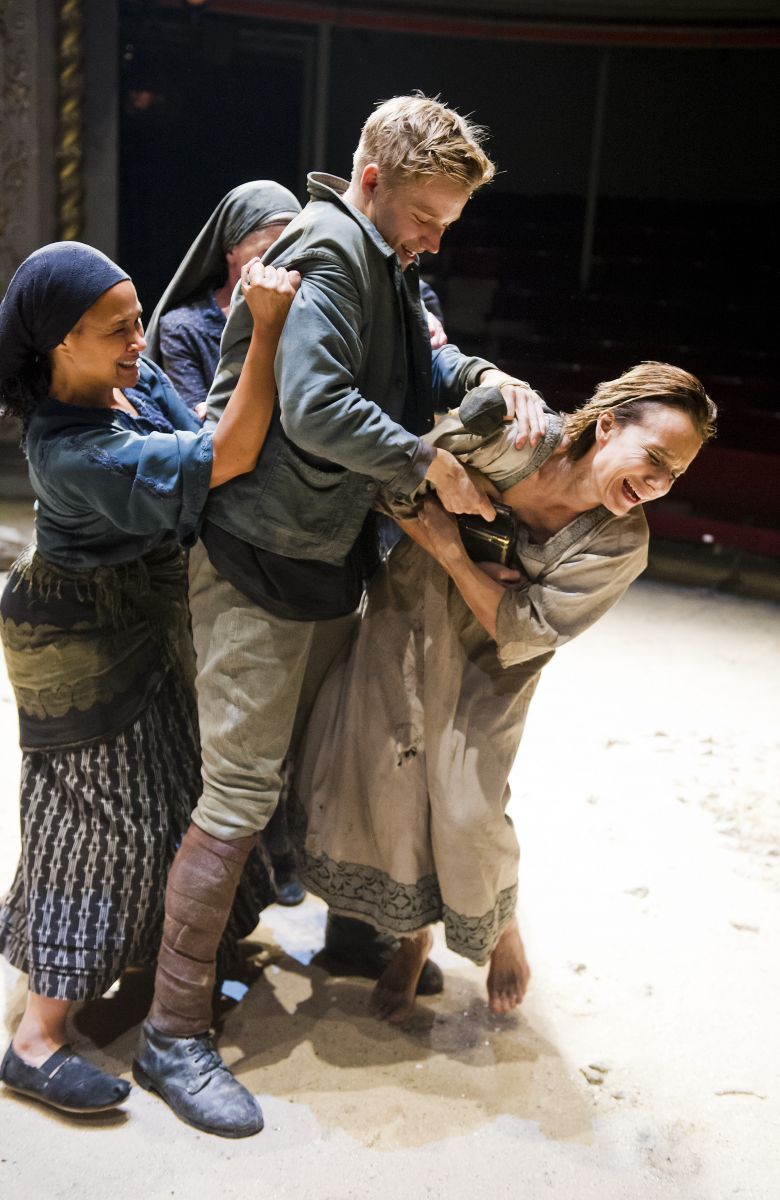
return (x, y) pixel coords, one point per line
(258, 676)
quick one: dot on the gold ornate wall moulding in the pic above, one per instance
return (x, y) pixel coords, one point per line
(70, 118)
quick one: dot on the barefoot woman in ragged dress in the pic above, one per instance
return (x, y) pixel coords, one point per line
(405, 768)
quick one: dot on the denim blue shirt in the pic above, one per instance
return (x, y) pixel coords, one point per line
(109, 486)
(189, 346)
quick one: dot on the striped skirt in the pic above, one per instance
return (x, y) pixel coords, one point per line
(101, 819)
(100, 825)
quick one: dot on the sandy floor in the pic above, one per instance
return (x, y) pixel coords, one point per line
(644, 1063)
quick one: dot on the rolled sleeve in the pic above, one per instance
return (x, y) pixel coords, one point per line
(540, 616)
(140, 484)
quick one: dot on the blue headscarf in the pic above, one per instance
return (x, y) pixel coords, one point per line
(47, 296)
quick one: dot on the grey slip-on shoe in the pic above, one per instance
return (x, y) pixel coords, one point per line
(65, 1081)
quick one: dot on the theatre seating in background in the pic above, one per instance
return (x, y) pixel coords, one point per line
(681, 283)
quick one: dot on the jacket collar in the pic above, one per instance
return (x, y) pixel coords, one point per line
(322, 186)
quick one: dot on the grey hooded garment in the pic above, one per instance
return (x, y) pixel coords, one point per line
(245, 208)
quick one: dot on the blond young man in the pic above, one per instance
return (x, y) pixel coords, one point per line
(279, 572)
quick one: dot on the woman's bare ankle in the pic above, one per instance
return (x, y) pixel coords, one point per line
(393, 996)
(509, 973)
(42, 1029)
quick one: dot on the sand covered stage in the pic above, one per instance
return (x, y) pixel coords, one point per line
(645, 1061)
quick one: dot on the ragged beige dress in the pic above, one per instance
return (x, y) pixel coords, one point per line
(403, 775)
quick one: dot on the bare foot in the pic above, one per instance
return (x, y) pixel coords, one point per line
(393, 996)
(509, 973)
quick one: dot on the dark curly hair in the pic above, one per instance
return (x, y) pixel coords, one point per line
(21, 394)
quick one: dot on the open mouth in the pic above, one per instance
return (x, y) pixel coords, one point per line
(630, 494)
(128, 364)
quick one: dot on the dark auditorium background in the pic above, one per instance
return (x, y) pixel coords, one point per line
(635, 214)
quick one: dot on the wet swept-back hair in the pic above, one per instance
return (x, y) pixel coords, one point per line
(416, 137)
(630, 396)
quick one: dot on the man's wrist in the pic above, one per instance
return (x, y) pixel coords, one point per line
(493, 377)
(437, 468)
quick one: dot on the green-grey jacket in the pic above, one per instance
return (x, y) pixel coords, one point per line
(342, 371)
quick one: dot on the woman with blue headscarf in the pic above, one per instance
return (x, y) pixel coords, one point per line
(95, 629)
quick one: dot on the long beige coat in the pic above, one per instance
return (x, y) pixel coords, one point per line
(403, 773)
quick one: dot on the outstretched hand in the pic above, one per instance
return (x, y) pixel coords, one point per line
(269, 291)
(523, 405)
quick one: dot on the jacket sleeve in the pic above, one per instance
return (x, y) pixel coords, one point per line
(317, 363)
(322, 409)
(538, 617)
(493, 453)
(454, 374)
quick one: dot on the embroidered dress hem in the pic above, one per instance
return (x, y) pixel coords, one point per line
(357, 890)
(101, 662)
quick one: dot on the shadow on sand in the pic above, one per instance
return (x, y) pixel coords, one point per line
(306, 1036)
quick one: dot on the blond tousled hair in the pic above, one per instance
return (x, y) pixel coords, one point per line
(629, 397)
(413, 137)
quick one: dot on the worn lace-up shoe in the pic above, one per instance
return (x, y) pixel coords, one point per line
(190, 1076)
(65, 1081)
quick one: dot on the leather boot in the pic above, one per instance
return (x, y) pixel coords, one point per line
(201, 886)
(176, 1057)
